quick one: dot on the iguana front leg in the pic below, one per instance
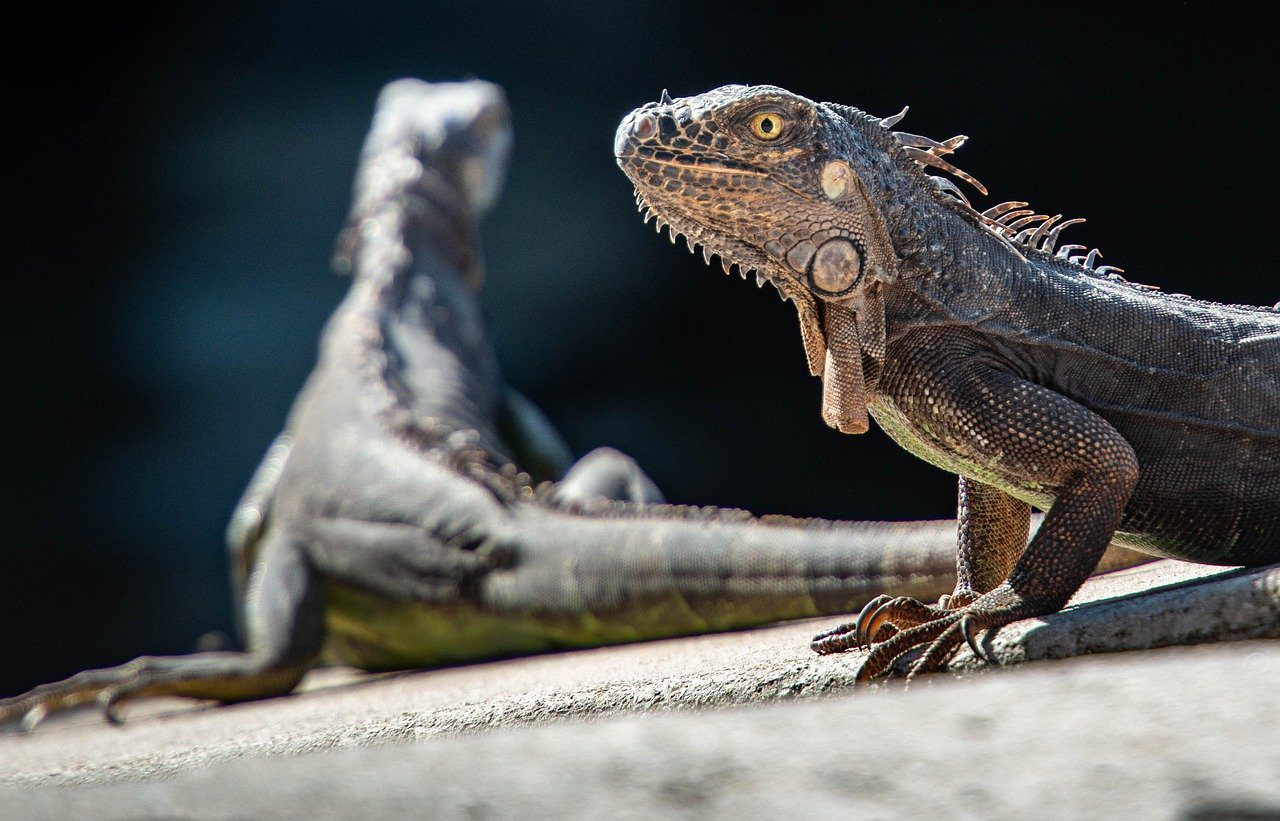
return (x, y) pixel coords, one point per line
(1024, 435)
(992, 535)
(535, 443)
(604, 473)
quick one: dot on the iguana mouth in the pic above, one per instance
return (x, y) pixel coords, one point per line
(644, 153)
(661, 177)
(689, 193)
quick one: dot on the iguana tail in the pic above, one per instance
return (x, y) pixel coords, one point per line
(655, 573)
(658, 572)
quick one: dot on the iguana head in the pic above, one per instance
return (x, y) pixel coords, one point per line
(776, 183)
(766, 179)
(463, 130)
(805, 194)
(443, 143)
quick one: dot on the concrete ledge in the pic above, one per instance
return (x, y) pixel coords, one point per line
(763, 665)
(1189, 732)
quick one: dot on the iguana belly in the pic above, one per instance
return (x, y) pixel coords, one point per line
(374, 633)
(935, 451)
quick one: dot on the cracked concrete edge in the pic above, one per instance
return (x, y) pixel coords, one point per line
(761, 667)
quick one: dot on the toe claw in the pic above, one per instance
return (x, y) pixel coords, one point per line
(868, 610)
(834, 631)
(966, 629)
(107, 702)
(832, 641)
(32, 718)
(869, 629)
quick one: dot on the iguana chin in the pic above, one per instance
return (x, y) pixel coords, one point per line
(393, 524)
(981, 347)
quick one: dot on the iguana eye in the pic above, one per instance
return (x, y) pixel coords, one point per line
(767, 125)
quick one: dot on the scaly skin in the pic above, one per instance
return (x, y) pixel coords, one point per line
(1038, 378)
(392, 525)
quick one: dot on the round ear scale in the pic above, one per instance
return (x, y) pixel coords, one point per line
(836, 266)
(839, 181)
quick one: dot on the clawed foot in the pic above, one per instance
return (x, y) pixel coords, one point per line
(891, 627)
(215, 676)
(25, 712)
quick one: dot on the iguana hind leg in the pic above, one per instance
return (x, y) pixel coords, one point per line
(225, 677)
(285, 624)
(249, 523)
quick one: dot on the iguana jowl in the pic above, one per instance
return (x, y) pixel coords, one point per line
(980, 346)
(389, 526)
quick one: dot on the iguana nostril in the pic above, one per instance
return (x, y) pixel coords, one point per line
(644, 126)
(639, 126)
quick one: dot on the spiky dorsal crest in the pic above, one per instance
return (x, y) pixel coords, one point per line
(1012, 222)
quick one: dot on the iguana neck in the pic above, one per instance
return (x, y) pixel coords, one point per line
(415, 299)
(944, 256)
(416, 248)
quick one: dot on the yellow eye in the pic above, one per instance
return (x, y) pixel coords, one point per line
(767, 125)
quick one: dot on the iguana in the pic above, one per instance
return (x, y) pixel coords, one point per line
(979, 345)
(389, 526)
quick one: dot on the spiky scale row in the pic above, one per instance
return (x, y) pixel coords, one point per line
(928, 151)
(929, 144)
(948, 187)
(931, 159)
(698, 248)
(1004, 207)
(894, 119)
(1051, 241)
(1012, 222)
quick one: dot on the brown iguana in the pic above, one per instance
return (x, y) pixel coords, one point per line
(389, 527)
(982, 347)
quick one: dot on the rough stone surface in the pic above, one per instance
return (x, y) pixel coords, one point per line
(1144, 734)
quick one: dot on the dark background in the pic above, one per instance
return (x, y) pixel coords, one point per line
(179, 177)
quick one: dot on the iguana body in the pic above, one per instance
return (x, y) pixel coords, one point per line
(977, 345)
(389, 528)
